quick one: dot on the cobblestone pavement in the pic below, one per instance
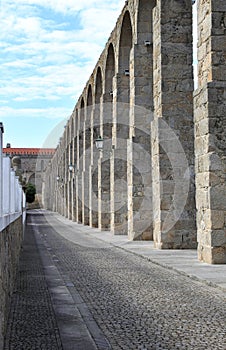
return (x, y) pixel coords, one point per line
(32, 324)
(137, 304)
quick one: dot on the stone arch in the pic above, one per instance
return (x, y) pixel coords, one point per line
(110, 69)
(98, 95)
(75, 121)
(68, 132)
(81, 126)
(32, 179)
(82, 105)
(72, 127)
(109, 73)
(89, 96)
(82, 117)
(98, 86)
(89, 107)
(144, 21)
(125, 43)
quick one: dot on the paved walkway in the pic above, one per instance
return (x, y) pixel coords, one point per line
(81, 289)
(183, 261)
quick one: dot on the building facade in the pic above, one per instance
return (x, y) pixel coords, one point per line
(30, 163)
(160, 174)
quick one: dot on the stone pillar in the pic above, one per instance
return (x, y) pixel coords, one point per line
(99, 162)
(120, 135)
(77, 133)
(61, 175)
(79, 183)
(86, 164)
(65, 175)
(74, 201)
(105, 159)
(69, 179)
(139, 145)
(69, 197)
(83, 124)
(90, 167)
(210, 132)
(1, 169)
(172, 128)
(99, 170)
(96, 131)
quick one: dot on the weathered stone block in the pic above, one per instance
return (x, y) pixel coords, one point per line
(218, 5)
(218, 238)
(217, 197)
(212, 255)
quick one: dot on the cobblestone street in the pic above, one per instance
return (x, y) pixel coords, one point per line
(131, 303)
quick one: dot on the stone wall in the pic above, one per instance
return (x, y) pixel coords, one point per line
(10, 244)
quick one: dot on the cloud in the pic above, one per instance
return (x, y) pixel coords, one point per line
(48, 51)
(49, 113)
(65, 6)
(47, 82)
(48, 58)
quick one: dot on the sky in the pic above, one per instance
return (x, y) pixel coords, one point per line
(48, 50)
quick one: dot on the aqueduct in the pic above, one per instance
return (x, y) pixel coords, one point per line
(161, 173)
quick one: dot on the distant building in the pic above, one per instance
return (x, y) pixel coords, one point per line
(30, 163)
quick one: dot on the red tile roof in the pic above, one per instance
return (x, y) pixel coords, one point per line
(29, 151)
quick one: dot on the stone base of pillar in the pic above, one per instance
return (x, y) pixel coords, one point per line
(95, 219)
(118, 232)
(105, 222)
(145, 236)
(176, 240)
(212, 255)
(86, 216)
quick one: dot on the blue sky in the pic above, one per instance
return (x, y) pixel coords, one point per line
(48, 51)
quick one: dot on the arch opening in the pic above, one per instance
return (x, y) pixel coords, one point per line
(98, 86)
(125, 45)
(110, 73)
(144, 22)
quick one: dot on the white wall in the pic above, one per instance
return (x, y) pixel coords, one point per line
(12, 198)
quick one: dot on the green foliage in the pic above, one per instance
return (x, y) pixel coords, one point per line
(30, 193)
